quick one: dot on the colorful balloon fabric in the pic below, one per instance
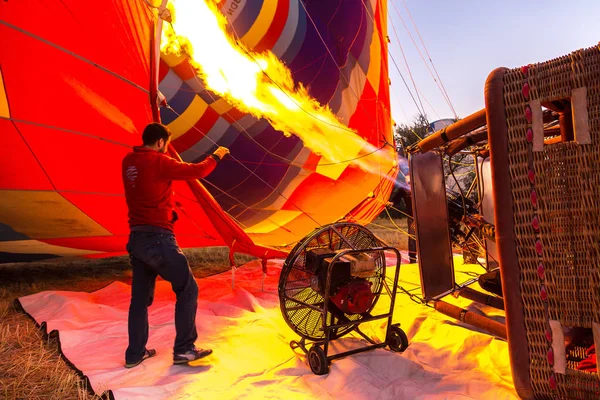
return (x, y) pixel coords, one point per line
(79, 81)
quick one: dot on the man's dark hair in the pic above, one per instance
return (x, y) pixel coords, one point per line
(153, 132)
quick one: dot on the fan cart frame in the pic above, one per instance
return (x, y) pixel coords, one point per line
(318, 355)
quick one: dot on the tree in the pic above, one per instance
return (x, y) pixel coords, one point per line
(408, 134)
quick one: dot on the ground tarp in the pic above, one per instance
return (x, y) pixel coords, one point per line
(252, 357)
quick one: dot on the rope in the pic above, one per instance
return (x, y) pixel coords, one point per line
(303, 166)
(462, 195)
(233, 198)
(417, 90)
(462, 164)
(328, 49)
(206, 235)
(474, 257)
(414, 297)
(406, 62)
(429, 56)
(472, 185)
(422, 112)
(397, 227)
(429, 104)
(252, 172)
(400, 211)
(328, 52)
(481, 245)
(241, 162)
(482, 184)
(249, 136)
(388, 50)
(423, 58)
(242, 203)
(241, 129)
(389, 229)
(464, 173)
(34, 156)
(398, 101)
(268, 151)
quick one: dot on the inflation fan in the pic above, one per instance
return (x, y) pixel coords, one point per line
(329, 285)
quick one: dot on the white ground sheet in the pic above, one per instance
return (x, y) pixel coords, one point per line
(252, 357)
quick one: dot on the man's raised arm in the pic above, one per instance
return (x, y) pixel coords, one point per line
(178, 170)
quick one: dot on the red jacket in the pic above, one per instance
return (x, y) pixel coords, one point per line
(148, 176)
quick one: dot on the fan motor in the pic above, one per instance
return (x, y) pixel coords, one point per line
(355, 297)
(349, 289)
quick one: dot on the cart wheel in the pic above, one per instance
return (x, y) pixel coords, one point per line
(397, 339)
(318, 360)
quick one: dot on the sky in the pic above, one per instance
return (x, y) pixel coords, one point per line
(468, 39)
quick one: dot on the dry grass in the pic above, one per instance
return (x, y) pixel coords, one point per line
(392, 232)
(30, 363)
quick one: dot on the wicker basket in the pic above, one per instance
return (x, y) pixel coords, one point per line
(547, 200)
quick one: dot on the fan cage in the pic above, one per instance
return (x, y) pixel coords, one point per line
(295, 280)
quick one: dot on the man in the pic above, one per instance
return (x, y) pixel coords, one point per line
(402, 191)
(148, 173)
(406, 194)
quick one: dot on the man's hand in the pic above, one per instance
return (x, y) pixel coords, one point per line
(221, 152)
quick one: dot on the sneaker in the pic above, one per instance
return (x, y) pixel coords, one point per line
(190, 355)
(147, 354)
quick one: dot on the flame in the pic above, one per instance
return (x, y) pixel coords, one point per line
(260, 84)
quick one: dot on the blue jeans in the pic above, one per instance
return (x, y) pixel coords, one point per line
(155, 254)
